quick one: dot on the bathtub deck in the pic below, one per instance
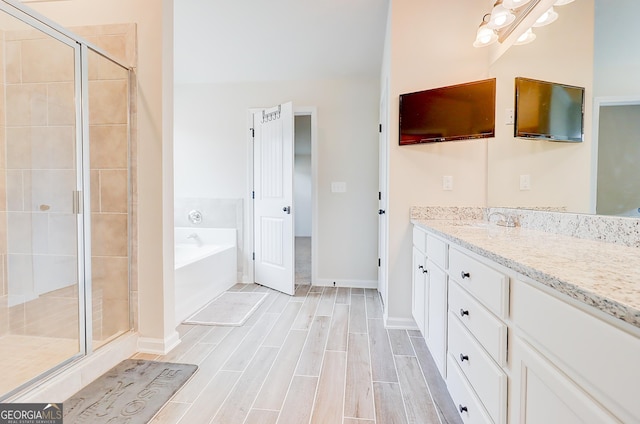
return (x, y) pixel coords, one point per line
(321, 356)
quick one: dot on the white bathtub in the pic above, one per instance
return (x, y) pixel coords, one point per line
(206, 265)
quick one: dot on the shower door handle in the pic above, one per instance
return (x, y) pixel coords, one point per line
(287, 209)
(77, 202)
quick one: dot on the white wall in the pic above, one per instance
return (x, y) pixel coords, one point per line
(616, 58)
(560, 172)
(211, 158)
(429, 44)
(302, 195)
(302, 184)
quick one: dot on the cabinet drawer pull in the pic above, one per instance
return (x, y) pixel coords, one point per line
(464, 275)
(420, 267)
(425, 270)
(462, 408)
(464, 357)
(463, 312)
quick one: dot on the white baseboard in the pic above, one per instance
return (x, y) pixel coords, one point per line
(69, 380)
(158, 346)
(397, 323)
(358, 284)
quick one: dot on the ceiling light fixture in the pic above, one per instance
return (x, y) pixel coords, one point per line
(485, 35)
(546, 18)
(514, 4)
(500, 16)
(525, 38)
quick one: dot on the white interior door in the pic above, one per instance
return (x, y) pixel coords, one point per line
(273, 198)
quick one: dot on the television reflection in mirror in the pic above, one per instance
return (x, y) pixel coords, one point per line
(549, 111)
(457, 112)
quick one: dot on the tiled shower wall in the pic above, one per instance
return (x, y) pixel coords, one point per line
(108, 120)
(40, 119)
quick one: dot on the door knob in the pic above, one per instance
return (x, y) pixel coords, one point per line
(287, 209)
(381, 211)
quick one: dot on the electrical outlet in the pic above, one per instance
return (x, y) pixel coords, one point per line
(447, 182)
(338, 187)
(509, 116)
(525, 182)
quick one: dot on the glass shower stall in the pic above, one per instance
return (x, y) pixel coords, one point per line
(65, 197)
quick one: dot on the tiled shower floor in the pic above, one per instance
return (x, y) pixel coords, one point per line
(25, 357)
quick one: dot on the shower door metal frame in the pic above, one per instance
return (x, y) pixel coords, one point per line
(82, 199)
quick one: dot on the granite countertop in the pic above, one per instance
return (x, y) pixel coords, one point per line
(603, 275)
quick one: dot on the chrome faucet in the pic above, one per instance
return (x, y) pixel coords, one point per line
(196, 238)
(505, 220)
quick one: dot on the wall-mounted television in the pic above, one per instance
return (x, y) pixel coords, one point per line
(549, 111)
(457, 112)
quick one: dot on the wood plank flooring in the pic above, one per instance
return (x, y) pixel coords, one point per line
(321, 356)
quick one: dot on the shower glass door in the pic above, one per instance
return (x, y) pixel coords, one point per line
(41, 299)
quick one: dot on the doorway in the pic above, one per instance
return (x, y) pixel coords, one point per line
(302, 198)
(615, 153)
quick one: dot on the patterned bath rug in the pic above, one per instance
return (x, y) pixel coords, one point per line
(228, 309)
(131, 392)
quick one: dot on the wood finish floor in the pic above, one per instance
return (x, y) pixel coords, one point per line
(321, 356)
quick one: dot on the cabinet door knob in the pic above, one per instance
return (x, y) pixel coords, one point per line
(464, 274)
(463, 357)
(462, 408)
(425, 270)
(420, 267)
(463, 312)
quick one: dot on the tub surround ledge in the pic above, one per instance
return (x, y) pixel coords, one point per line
(591, 270)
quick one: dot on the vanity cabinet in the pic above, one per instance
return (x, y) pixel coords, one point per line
(513, 350)
(429, 294)
(477, 337)
(571, 363)
(419, 290)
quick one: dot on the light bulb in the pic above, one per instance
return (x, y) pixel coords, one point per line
(527, 37)
(500, 16)
(485, 36)
(546, 18)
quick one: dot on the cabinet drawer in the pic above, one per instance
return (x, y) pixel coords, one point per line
(467, 403)
(599, 357)
(489, 330)
(487, 379)
(489, 286)
(419, 239)
(437, 251)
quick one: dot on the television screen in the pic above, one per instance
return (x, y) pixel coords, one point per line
(549, 111)
(457, 112)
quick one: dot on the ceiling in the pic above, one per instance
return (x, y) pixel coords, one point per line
(258, 40)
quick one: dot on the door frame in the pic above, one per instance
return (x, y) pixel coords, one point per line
(248, 266)
(383, 202)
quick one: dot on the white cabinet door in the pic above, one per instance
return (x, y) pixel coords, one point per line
(542, 394)
(419, 291)
(437, 316)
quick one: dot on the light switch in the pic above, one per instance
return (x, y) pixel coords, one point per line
(509, 116)
(338, 187)
(447, 182)
(525, 182)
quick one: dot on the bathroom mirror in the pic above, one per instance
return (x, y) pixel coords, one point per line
(590, 45)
